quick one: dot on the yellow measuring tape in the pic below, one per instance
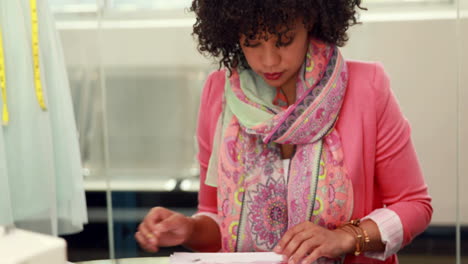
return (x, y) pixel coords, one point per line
(37, 69)
(35, 52)
(5, 115)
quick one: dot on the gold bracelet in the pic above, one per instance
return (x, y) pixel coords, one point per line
(360, 235)
(351, 229)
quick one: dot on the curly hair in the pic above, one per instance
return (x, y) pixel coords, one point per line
(220, 23)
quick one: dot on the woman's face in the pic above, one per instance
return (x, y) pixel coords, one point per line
(278, 65)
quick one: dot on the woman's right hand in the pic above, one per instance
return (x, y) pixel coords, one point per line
(163, 228)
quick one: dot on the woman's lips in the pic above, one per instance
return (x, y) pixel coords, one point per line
(273, 76)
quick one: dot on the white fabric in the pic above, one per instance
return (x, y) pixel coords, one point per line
(286, 168)
(214, 217)
(391, 232)
(226, 258)
(41, 184)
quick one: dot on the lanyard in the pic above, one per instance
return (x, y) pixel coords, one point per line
(35, 53)
(5, 115)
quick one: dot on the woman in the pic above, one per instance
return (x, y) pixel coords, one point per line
(301, 152)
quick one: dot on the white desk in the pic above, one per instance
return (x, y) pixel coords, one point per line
(152, 260)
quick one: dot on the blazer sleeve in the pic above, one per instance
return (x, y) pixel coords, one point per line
(209, 111)
(399, 178)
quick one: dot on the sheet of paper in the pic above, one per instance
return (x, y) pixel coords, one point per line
(226, 258)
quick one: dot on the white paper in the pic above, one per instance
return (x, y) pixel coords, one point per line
(226, 258)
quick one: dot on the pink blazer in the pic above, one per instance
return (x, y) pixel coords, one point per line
(378, 151)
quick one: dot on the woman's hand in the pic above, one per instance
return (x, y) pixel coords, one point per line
(307, 242)
(162, 228)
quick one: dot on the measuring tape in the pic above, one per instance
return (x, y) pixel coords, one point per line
(36, 69)
(35, 53)
(5, 115)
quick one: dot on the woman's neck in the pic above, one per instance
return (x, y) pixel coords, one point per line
(289, 89)
(290, 93)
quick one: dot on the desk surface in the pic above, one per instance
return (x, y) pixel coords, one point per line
(153, 260)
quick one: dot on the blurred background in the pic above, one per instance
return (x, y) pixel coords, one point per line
(136, 79)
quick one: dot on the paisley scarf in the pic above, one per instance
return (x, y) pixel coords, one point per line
(257, 204)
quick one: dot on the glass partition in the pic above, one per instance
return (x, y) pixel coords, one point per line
(77, 23)
(463, 131)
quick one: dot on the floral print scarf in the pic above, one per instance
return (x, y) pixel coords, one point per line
(257, 204)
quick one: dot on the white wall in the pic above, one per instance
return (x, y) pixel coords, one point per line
(419, 53)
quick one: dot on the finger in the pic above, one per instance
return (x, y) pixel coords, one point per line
(139, 238)
(155, 217)
(157, 214)
(288, 236)
(174, 222)
(296, 242)
(304, 250)
(152, 248)
(146, 233)
(144, 243)
(313, 256)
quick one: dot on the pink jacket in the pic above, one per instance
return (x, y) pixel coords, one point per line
(378, 151)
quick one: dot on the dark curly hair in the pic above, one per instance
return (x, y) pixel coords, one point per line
(220, 23)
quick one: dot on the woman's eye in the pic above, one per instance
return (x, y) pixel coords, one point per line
(251, 45)
(284, 44)
(285, 41)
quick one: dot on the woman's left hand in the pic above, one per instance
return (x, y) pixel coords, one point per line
(307, 242)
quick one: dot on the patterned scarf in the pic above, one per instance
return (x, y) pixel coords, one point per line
(256, 203)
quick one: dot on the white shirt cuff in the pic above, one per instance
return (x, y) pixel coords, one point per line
(391, 232)
(213, 216)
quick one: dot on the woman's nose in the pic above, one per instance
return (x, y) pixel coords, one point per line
(271, 55)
